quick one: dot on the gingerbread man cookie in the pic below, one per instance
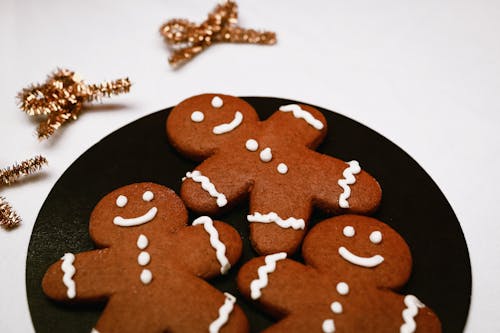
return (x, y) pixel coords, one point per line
(272, 161)
(353, 267)
(150, 266)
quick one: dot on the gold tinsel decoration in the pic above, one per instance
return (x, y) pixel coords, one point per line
(61, 98)
(8, 217)
(187, 39)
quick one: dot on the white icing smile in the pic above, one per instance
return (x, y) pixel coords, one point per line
(224, 128)
(368, 262)
(130, 222)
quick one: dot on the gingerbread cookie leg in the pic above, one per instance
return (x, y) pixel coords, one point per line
(80, 276)
(343, 187)
(279, 224)
(209, 190)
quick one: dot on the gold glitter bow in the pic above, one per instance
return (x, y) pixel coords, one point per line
(8, 217)
(188, 39)
(61, 98)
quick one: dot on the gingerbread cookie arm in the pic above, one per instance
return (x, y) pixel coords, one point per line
(79, 277)
(216, 184)
(418, 318)
(209, 248)
(277, 284)
(343, 187)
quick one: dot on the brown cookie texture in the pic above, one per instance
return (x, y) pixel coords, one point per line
(150, 266)
(354, 266)
(272, 163)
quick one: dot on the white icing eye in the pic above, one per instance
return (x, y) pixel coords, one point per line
(252, 145)
(121, 201)
(266, 155)
(282, 168)
(376, 237)
(217, 102)
(349, 231)
(148, 196)
(197, 116)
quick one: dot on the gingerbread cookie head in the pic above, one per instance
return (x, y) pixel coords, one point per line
(363, 248)
(199, 125)
(148, 207)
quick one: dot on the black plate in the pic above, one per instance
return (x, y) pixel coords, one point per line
(412, 204)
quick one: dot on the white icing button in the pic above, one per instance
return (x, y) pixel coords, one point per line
(349, 231)
(197, 116)
(282, 168)
(148, 196)
(121, 201)
(342, 288)
(146, 276)
(142, 242)
(144, 258)
(252, 145)
(328, 326)
(336, 307)
(217, 102)
(266, 155)
(376, 237)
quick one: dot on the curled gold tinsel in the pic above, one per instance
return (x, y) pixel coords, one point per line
(61, 98)
(187, 39)
(8, 217)
(11, 174)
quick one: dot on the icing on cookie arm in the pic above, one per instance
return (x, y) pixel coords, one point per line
(78, 276)
(215, 184)
(209, 247)
(343, 187)
(416, 317)
(264, 280)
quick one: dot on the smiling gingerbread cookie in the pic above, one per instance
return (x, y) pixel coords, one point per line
(272, 162)
(353, 267)
(151, 267)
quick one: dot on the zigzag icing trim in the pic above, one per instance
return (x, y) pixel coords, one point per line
(220, 248)
(207, 185)
(290, 222)
(224, 312)
(412, 305)
(69, 270)
(349, 179)
(302, 114)
(258, 284)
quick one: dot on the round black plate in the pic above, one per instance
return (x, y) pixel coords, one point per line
(138, 152)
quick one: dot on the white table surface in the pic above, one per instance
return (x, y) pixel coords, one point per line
(426, 74)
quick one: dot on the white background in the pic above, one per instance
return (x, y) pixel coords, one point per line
(426, 74)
